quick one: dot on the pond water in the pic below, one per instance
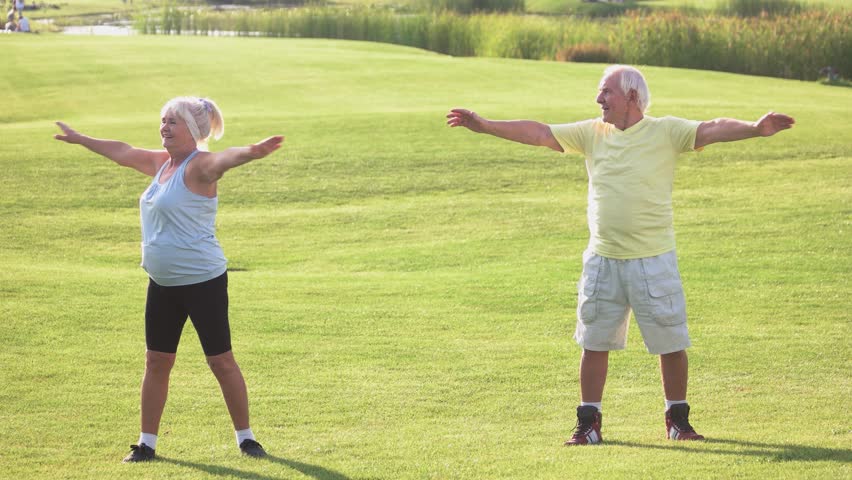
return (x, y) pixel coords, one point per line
(99, 30)
(104, 25)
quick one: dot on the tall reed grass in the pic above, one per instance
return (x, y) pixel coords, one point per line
(795, 46)
(787, 47)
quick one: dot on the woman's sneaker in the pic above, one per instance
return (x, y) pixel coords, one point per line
(677, 424)
(139, 453)
(251, 448)
(588, 430)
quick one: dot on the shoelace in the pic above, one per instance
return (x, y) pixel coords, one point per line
(584, 426)
(683, 425)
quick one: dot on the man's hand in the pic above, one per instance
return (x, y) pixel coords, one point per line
(71, 135)
(459, 117)
(521, 131)
(731, 130)
(772, 123)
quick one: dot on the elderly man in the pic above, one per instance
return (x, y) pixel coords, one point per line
(630, 263)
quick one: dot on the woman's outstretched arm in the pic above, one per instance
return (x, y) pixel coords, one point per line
(218, 163)
(145, 161)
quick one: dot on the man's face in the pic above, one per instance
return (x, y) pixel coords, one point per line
(614, 103)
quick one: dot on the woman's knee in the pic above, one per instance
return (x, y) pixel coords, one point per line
(223, 364)
(159, 362)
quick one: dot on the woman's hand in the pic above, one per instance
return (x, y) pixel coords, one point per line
(265, 147)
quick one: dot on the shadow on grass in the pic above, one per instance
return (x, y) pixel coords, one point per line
(314, 471)
(771, 451)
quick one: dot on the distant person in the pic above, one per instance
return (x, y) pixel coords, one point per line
(19, 6)
(180, 253)
(630, 263)
(23, 24)
(10, 25)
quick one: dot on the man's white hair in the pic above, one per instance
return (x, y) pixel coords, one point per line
(631, 79)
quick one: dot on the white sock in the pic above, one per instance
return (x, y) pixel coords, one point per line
(669, 403)
(594, 404)
(244, 435)
(148, 439)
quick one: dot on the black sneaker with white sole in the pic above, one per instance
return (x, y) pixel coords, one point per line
(251, 448)
(139, 453)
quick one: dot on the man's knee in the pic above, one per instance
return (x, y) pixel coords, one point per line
(594, 356)
(674, 355)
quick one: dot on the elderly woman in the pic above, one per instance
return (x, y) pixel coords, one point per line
(180, 253)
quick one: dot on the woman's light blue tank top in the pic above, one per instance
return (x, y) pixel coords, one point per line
(179, 245)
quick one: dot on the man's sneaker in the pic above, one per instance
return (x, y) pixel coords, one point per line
(588, 430)
(139, 453)
(252, 449)
(677, 424)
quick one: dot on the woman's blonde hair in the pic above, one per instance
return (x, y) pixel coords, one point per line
(202, 117)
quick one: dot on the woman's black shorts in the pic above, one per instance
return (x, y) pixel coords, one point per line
(205, 303)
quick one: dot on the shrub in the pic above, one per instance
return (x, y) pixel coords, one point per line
(757, 8)
(586, 52)
(604, 9)
(509, 36)
(471, 6)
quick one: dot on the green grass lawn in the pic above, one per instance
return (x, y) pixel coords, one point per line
(403, 294)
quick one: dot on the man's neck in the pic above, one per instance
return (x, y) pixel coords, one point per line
(631, 118)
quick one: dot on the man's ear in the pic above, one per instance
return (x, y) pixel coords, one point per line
(633, 96)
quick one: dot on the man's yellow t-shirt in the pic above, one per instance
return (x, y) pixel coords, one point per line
(631, 174)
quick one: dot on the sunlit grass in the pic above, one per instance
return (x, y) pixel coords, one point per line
(404, 292)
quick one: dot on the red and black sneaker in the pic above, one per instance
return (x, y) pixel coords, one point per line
(588, 430)
(677, 424)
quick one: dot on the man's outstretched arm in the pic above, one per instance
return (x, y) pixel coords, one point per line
(730, 130)
(522, 131)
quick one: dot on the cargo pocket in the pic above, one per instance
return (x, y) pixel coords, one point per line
(666, 300)
(587, 300)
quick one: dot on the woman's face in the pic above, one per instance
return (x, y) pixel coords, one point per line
(175, 133)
